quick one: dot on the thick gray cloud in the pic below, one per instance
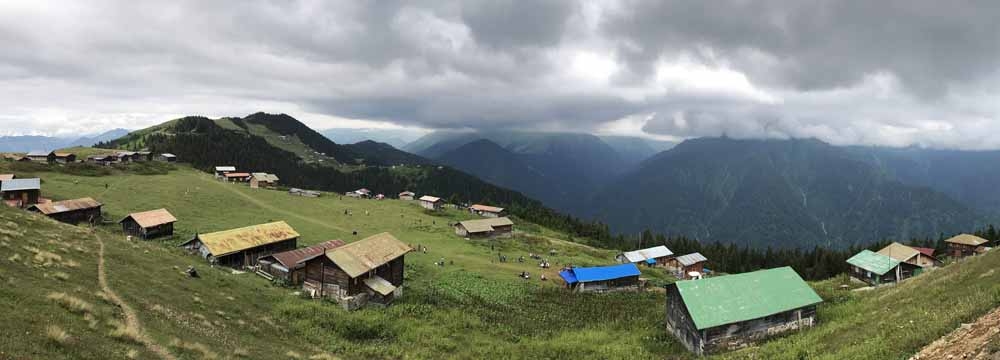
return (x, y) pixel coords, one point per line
(849, 72)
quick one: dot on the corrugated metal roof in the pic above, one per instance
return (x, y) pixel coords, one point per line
(429, 198)
(899, 251)
(369, 253)
(602, 273)
(734, 298)
(38, 153)
(151, 218)
(4, 177)
(229, 241)
(925, 251)
(486, 208)
(568, 276)
(647, 254)
(380, 285)
(691, 259)
(966, 239)
(873, 261)
(21, 184)
(66, 205)
(406, 193)
(168, 155)
(225, 168)
(264, 176)
(485, 225)
(290, 259)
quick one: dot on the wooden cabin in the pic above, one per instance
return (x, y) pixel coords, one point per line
(125, 157)
(21, 193)
(237, 177)
(363, 193)
(15, 158)
(876, 269)
(622, 277)
(367, 271)
(263, 180)
(221, 171)
(910, 255)
(654, 256)
(289, 266)
(406, 195)
(687, 266)
(736, 311)
(101, 159)
(41, 156)
(485, 228)
(149, 224)
(431, 202)
(71, 211)
(964, 245)
(167, 157)
(243, 247)
(488, 211)
(64, 157)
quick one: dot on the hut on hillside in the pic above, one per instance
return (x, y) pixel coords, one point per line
(125, 156)
(406, 195)
(431, 202)
(363, 193)
(21, 193)
(654, 256)
(367, 271)
(488, 211)
(289, 266)
(101, 159)
(15, 157)
(221, 171)
(963, 245)
(167, 157)
(305, 193)
(263, 180)
(63, 157)
(143, 156)
(243, 247)
(688, 266)
(237, 177)
(876, 269)
(622, 277)
(735, 311)
(485, 228)
(41, 156)
(71, 211)
(910, 255)
(149, 224)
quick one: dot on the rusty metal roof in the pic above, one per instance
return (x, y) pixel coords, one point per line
(230, 241)
(292, 258)
(151, 218)
(367, 254)
(966, 239)
(429, 198)
(486, 208)
(485, 225)
(66, 206)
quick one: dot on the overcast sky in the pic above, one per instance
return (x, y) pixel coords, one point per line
(847, 72)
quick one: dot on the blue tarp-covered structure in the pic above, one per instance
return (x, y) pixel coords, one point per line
(600, 273)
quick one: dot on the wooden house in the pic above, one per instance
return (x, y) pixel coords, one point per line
(263, 180)
(876, 269)
(41, 156)
(125, 156)
(488, 211)
(622, 277)
(304, 193)
(654, 256)
(910, 255)
(167, 157)
(221, 171)
(363, 193)
(687, 266)
(963, 245)
(149, 224)
(64, 157)
(736, 311)
(15, 157)
(101, 159)
(367, 271)
(21, 193)
(406, 195)
(243, 247)
(143, 156)
(289, 266)
(71, 211)
(431, 202)
(485, 228)
(237, 177)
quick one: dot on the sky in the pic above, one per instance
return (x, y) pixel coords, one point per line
(893, 73)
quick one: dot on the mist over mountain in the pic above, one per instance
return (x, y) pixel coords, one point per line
(398, 138)
(47, 143)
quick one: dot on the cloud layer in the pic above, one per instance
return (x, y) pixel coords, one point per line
(849, 72)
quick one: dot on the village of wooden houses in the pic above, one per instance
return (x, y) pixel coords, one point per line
(705, 311)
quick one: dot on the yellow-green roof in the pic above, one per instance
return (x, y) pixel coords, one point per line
(234, 240)
(734, 298)
(369, 253)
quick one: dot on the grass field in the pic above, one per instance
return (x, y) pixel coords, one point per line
(474, 308)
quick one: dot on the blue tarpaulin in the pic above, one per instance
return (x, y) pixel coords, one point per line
(568, 276)
(602, 273)
(651, 261)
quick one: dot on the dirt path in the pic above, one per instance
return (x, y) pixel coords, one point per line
(131, 319)
(270, 207)
(969, 341)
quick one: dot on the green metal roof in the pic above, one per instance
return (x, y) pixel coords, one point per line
(734, 298)
(873, 261)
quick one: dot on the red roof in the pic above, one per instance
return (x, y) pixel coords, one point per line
(290, 259)
(925, 251)
(236, 174)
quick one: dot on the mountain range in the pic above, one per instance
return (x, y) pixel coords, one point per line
(28, 143)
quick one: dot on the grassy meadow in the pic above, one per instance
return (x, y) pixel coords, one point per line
(473, 307)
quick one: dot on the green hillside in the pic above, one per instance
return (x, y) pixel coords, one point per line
(474, 308)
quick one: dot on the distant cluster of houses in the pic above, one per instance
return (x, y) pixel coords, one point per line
(897, 262)
(256, 180)
(118, 157)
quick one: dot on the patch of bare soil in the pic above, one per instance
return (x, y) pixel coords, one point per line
(969, 341)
